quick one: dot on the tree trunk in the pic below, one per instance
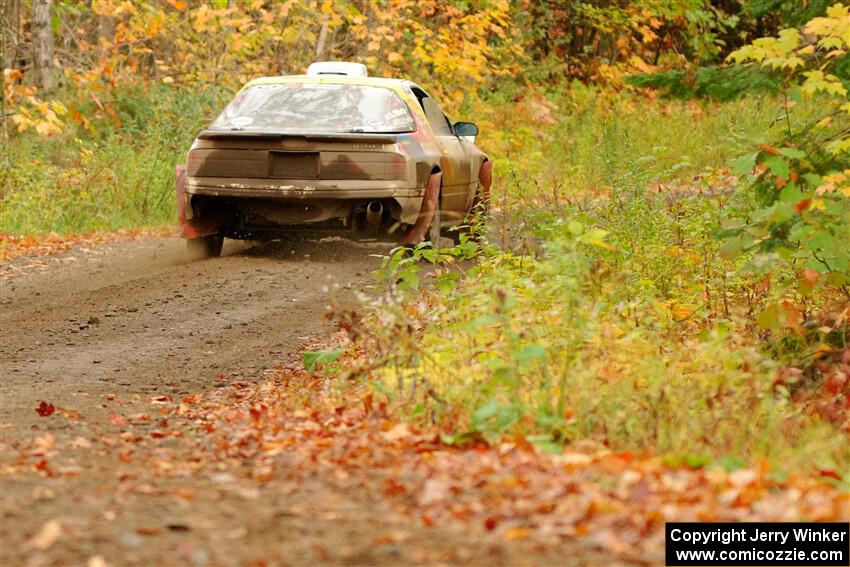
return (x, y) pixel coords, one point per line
(11, 33)
(105, 33)
(42, 44)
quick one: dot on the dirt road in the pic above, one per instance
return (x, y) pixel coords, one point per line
(142, 317)
(137, 320)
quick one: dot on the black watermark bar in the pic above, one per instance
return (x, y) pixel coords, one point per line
(815, 544)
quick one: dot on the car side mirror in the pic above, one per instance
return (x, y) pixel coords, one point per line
(466, 129)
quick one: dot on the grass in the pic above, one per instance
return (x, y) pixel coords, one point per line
(104, 178)
(586, 139)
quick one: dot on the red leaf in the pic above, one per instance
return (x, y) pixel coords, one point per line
(802, 205)
(44, 409)
(830, 474)
(116, 419)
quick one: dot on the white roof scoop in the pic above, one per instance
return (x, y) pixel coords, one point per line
(337, 68)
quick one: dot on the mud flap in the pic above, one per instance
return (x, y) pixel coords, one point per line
(485, 181)
(418, 232)
(190, 226)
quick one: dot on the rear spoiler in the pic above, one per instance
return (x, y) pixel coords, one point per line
(329, 137)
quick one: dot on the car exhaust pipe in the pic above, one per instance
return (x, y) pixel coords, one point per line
(374, 213)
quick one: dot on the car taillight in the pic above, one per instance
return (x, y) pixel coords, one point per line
(363, 165)
(395, 167)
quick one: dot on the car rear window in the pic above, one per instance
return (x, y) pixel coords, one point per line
(316, 107)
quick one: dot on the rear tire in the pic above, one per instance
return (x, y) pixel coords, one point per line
(205, 246)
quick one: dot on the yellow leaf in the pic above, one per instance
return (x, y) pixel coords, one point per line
(517, 533)
(46, 128)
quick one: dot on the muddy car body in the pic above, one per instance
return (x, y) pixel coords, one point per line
(333, 152)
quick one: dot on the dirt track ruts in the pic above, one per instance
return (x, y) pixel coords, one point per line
(141, 316)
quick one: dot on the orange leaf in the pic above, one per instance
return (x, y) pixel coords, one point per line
(810, 277)
(802, 205)
(517, 533)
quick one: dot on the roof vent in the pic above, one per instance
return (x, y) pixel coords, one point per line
(337, 68)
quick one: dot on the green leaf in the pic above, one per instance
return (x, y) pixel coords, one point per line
(686, 460)
(813, 179)
(482, 321)
(731, 247)
(503, 375)
(730, 462)
(531, 353)
(546, 444)
(447, 282)
(778, 166)
(596, 237)
(313, 358)
(485, 412)
(791, 194)
(575, 227)
(771, 317)
(792, 153)
(744, 164)
(776, 213)
(795, 95)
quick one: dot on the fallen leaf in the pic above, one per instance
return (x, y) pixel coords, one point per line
(44, 409)
(435, 490)
(517, 533)
(46, 536)
(399, 431)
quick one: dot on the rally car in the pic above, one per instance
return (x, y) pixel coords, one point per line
(332, 149)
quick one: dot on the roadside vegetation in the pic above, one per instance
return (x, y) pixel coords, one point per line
(615, 313)
(666, 269)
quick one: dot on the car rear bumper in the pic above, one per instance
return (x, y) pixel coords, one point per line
(300, 188)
